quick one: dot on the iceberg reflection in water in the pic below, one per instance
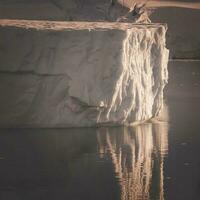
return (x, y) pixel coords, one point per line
(109, 163)
(137, 156)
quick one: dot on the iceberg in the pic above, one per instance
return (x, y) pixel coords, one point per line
(81, 74)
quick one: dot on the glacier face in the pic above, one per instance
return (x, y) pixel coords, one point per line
(82, 77)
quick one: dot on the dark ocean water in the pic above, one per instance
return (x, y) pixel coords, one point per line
(153, 161)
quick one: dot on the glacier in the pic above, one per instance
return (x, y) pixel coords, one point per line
(81, 74)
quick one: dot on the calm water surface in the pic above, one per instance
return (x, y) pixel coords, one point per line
(153, 161)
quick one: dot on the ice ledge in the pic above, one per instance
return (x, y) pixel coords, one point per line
(64, 25)
(59, 74)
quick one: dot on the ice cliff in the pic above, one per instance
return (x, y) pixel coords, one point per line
(77, 74)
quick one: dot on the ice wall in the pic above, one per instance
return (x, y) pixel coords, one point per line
(67, 74)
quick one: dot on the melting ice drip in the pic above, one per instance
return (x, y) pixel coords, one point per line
(135, 154)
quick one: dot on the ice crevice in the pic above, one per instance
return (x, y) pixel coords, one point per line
(113, 74)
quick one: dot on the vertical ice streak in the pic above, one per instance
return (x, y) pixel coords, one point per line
(138, 94)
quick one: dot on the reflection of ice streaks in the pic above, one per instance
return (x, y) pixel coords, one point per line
(135, 153)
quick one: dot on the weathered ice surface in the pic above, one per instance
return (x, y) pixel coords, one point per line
(80, 74)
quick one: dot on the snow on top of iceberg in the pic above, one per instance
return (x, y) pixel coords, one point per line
(62, 25)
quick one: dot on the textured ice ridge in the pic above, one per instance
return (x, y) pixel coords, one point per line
(78, 78)
(145, 74)
(138, 93)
